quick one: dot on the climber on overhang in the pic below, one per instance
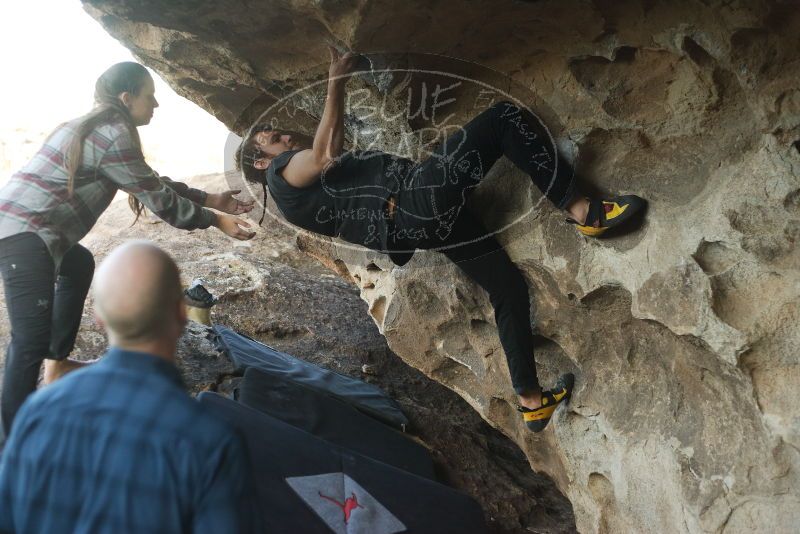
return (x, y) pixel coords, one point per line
(394, 205)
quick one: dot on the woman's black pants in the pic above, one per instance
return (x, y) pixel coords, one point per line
(44, 309)
(431, 215)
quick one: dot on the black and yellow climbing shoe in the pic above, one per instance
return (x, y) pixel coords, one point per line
(537, 419)
(608, 213)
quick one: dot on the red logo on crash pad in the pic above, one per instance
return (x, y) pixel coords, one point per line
(350, 504)
(344, 505)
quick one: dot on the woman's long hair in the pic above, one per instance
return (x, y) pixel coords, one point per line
(119, 78)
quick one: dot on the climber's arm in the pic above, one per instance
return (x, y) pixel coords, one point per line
(305, 167)
(329, 138)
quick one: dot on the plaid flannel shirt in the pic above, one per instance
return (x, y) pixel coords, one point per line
(120, 447)
(36, 198)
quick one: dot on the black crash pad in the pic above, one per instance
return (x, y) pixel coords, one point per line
(332, 420)
(308, 485)
(246, 352)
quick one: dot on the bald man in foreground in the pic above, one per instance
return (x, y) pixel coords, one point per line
(119, 446)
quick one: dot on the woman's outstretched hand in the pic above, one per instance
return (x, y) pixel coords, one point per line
(234, 227)
(341, 65)
(226, 203)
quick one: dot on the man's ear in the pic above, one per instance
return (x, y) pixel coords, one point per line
(262, 164)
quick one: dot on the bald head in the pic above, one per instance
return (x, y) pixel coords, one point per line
(138, 294)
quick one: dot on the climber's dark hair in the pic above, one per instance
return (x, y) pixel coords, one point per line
(246, 155)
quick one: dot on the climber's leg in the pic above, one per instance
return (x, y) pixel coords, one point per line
(436, 190)
(459, 163)
(481, 258)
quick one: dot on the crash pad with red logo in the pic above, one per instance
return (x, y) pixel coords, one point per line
(309, 485)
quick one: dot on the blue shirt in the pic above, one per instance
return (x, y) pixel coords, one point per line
(120, 447)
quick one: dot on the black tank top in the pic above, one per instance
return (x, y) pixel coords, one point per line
(348, 201)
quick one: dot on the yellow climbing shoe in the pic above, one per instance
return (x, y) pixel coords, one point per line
(608, 213)
(536, 420)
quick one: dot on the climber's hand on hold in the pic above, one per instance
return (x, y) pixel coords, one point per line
(342, 65)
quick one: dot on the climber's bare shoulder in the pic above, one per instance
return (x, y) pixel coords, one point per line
(305, 168)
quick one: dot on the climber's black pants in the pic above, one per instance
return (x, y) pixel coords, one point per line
(431, 215)
(45, 307)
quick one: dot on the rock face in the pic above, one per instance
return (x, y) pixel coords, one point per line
(684, 333)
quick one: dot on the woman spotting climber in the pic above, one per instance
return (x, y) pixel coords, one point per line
(55, 199)
(322, 189)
